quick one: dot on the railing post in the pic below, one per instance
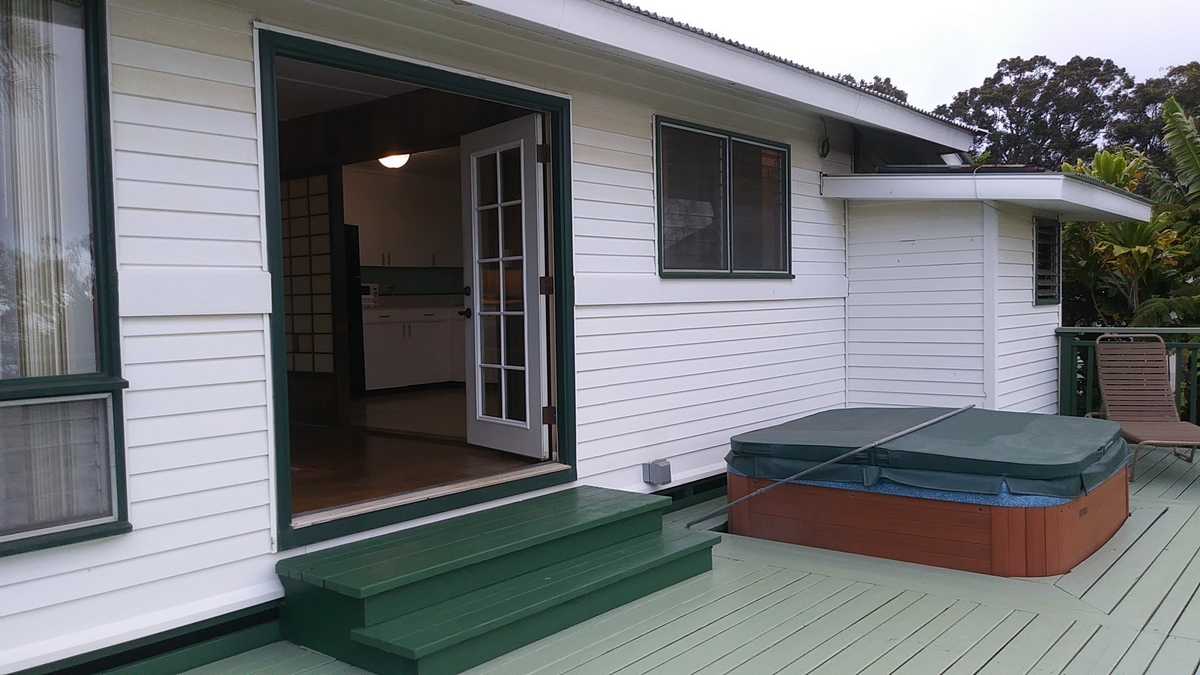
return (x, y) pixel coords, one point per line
(1066, 372)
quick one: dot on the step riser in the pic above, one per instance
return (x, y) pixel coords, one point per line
(497, 643)
(318, 619)
(311, 614)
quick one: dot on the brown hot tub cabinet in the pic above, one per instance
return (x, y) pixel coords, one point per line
(1008, 494)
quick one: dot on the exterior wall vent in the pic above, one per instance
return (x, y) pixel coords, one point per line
(657, 472)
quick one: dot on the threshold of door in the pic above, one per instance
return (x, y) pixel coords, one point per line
(357, 508)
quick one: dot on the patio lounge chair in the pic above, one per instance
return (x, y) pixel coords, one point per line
(1136, 391)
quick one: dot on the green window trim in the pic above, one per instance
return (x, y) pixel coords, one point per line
(729, 273)
(1047, 261)
(107, 380)
(273, 45)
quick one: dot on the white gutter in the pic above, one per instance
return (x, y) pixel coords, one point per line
(1069, 197)
(625, 32)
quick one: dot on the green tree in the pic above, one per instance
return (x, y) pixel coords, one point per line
(1036, 111)
(1138, 121)
(1140, 273)
(882, 85)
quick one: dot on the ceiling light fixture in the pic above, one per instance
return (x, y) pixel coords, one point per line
(394, 161)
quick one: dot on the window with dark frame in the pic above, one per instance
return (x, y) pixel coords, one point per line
(61, 471)
(723, 203)
(1047, 242)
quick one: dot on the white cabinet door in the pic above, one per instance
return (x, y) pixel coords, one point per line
(456, 343)
(423, 356)
(381, 342)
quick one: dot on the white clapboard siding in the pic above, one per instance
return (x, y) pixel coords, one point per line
(915, 313)
(675, 382)
(1027, 349)
(186, 175)
(666, 368)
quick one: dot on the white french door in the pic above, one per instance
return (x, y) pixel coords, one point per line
(503, 218)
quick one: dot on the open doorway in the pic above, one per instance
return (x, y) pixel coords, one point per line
(416, 319)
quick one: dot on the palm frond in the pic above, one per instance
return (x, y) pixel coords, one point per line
(1183, 146)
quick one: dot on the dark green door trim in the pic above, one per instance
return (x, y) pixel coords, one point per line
(557, 110)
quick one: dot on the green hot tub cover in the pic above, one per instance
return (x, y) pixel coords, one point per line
(977, 451)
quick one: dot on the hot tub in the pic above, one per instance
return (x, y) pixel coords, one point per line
(1011, 494)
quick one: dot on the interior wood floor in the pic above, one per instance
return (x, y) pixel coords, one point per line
(433, 411)
(767, 607)
(336, 466)
(397, 442)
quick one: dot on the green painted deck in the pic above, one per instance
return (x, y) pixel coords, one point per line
(775, 608)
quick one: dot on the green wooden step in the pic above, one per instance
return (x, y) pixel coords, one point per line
(368, 582)
(468, 630)
(377, 565)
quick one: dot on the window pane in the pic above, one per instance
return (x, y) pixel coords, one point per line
(514, 401)
(692, 170)
(47, 316)
(485, 171)
(55, 464)
(757, 233)
(492, 392)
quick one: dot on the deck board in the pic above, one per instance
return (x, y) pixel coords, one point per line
(767, 607)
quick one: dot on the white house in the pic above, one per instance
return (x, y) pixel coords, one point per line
(229, 335)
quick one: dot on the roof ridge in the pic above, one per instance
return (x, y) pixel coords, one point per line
(782, 60)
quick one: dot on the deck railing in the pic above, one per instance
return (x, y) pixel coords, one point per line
(1079, 390)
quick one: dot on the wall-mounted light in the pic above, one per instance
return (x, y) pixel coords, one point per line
(394, 161)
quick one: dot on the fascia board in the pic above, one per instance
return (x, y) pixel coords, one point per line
(624, 32)
(1071, 199)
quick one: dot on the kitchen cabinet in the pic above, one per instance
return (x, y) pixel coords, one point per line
(404, 219)
(405, 347)
(456, 343)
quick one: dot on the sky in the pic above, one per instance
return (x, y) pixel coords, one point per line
(935, 48)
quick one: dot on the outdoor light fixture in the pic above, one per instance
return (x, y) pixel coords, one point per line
(394, 161)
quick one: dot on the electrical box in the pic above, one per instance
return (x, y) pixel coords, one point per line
(657, 472)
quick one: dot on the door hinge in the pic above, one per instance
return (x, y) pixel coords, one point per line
(543, 153)
(546, 285)
(549, 415)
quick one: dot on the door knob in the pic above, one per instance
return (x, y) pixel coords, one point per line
(467, 291)
(465, 312)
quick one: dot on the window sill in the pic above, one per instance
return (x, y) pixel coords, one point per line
(63, 538)
(59, 385)
(725, 275)
(1042, 302)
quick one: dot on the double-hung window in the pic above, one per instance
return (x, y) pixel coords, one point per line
(723, 203)
(1047, 252)
(61, 469)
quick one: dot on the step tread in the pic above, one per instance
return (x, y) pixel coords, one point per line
(451, 622)
(362, 569)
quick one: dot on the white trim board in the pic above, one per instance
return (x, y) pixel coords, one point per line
(1067, 196)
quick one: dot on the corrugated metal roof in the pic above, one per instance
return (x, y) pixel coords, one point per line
(779, 59)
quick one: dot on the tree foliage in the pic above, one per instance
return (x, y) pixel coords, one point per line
(1036, 111)
(882, 85)
(1137, 118)
(1110, 269)
(1140, 273)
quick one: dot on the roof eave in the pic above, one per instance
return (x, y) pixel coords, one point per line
(1066, 196)
(643, 38)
